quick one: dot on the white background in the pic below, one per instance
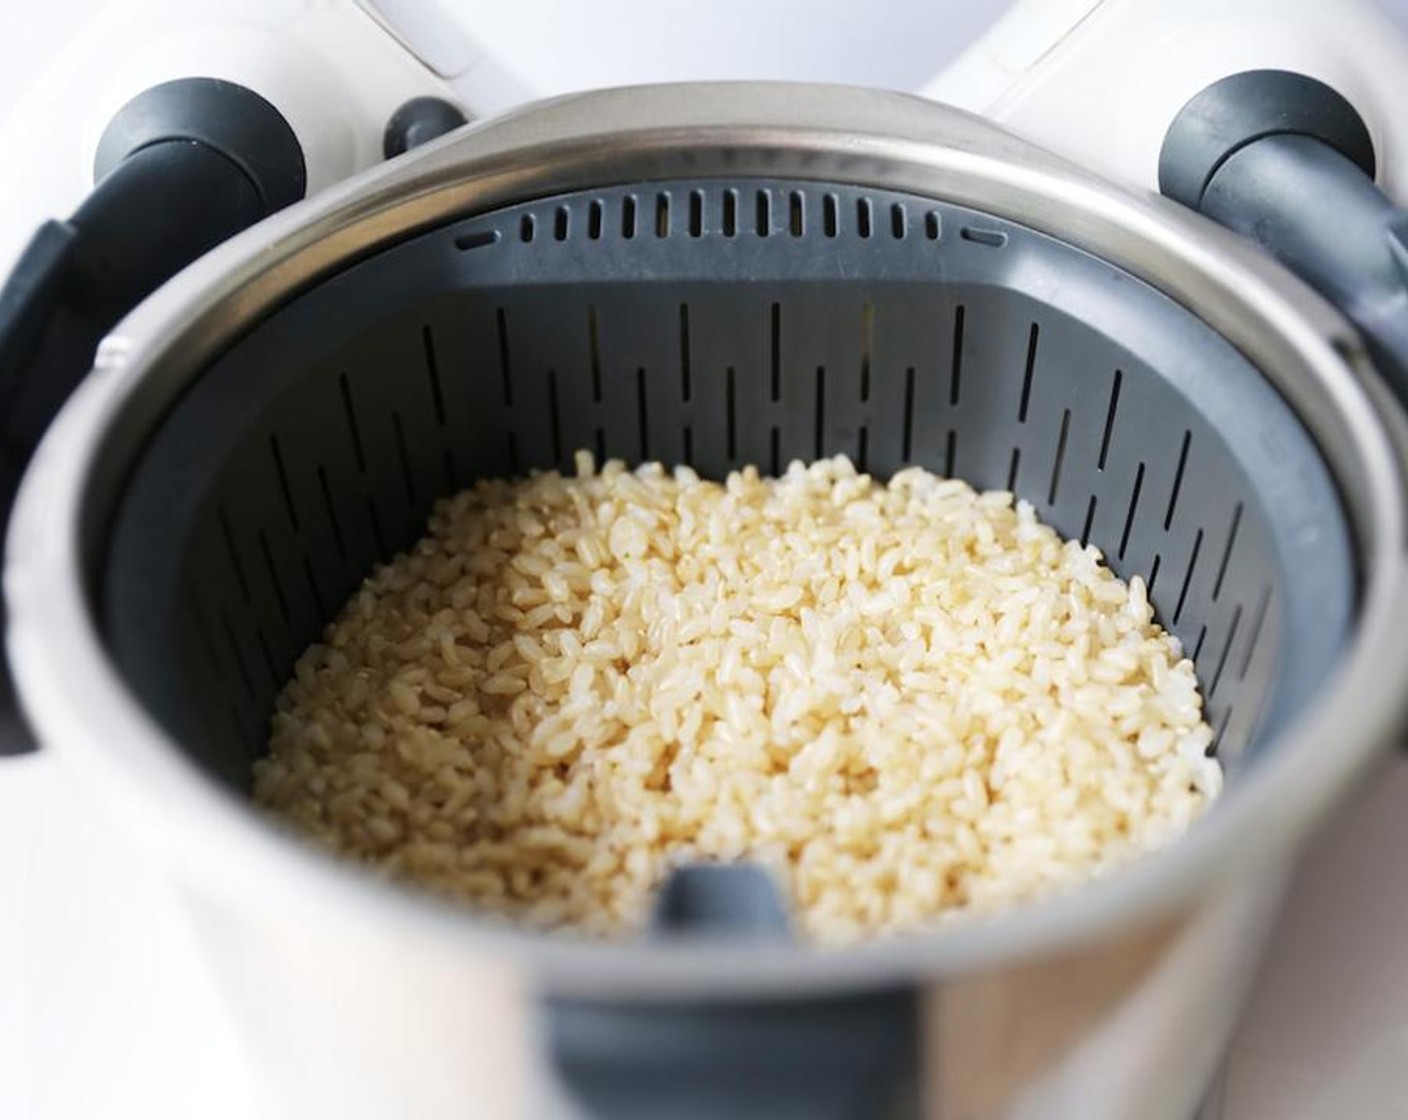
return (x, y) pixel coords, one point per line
(90, 982)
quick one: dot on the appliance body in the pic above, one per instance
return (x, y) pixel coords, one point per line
(1100, 81)
(1126, 1002)
(338, 69)
(1099, 977)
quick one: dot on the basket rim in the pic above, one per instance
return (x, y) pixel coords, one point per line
(83, 710)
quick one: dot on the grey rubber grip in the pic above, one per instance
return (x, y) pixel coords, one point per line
(1287, 161)
(846, 1058)
(181, 167)
(1320, 215)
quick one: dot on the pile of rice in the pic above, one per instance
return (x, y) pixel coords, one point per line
(906, 698)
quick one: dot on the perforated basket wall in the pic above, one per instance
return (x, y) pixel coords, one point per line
(720, 323)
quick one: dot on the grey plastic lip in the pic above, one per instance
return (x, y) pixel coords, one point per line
(83, 711)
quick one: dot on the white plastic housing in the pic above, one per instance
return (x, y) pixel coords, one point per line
(326, 65)
(1099, 81)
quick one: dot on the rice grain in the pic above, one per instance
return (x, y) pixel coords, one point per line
(909, 699)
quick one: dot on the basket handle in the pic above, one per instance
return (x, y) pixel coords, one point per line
(841, 1057)
(1286, 161)
(180, 168)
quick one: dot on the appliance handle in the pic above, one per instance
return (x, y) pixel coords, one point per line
(180, 168)
(841, 1058)
(1287, 162)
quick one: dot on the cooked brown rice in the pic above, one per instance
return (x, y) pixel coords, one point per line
(907, 698)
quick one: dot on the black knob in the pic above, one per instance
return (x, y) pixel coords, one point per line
(419, 121)
(225, 117)
(1241, 109)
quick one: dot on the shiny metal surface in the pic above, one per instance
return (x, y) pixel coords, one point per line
(83, 711)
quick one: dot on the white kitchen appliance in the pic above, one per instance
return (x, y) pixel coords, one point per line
(1095, 80)
(1045, 71)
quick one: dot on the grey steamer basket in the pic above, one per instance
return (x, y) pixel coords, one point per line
(720, 322)
(724, 276)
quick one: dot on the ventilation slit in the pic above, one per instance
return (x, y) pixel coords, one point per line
(594, 348)
(1258, 621)
(1060, 457)
(775, 442)
(505, 364)
(684, 352)
(595, 216)
(1198, 645)
(1110, 420)
(1153, 574)
(1012, 470)
(1188, 576)
(662, 214)
(932, 225)
(235, 562)
(432, 370)
(796, 214)
(898, 221)
(274, 580)
(820, 430)
(251, 748)
(314, 591)
(1133, 507)
(349, 414)
(236, 654)
(1227, 551)
(831, 215)
(476, 240)
(1226, 649)
(1216, 743)
(908, 446)
(377, 532)
(600, 440)
(862, 448)
(554, 416)
(764, 215)
(238, 725)
(996, 239)
(526, 228)
(776, 365)
(863, 217)
(641, 414)
(1089, 520)
(730, 406)
(956, 367)
(333, 522)
(951, 453)
(206, 639)
(1178, 479)
(867, 339)
(268, 657)
(403, 456)
(1027, 374)
(696, 213)
(628, 216)
(730, 222)
(560, 223)
(278, 455)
